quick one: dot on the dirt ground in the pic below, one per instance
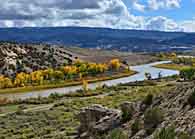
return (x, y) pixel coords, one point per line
(101, 56)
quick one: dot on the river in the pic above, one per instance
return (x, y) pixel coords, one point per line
(140, 76)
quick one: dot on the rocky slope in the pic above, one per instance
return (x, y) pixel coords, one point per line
(144, 119)
(15, 57)
(28, 57)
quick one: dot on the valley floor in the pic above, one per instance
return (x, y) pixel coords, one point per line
(54, 117)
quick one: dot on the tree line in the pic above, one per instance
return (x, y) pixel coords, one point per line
(78, 70)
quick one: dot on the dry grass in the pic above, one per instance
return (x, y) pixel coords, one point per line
(172, 66)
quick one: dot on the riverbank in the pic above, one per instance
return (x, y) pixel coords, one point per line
(172, 66)
(118, 79)
(57, 118)
(66, 83)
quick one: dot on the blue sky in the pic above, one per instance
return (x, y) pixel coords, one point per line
(163, 15)
(186, 11)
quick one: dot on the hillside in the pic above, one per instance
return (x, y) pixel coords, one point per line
(104, 38)
(15, 58)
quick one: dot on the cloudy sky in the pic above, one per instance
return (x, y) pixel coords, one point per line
(164, 15)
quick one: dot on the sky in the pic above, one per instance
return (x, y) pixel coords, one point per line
(162, 15)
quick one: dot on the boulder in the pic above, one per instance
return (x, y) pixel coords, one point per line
(97, 119)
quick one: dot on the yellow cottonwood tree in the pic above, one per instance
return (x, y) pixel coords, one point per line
(37, 77)
(102, 67)
(115, 64)
(21, 79)
(5, 82)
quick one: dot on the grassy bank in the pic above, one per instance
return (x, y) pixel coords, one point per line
(172, 66)
(66, 83)
(58, 121)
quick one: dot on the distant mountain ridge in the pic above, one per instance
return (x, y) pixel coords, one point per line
(105, 38)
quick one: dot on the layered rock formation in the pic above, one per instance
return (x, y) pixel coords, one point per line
(143, 120)
(96, 120)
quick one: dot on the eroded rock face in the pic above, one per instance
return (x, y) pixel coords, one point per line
(97, 120)
(176, 112)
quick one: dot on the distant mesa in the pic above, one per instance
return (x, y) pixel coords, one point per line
(102, 38)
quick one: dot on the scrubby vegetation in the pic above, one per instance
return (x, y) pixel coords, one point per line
(166, 133)
(188, 74)
(117, 134)
(136, 126)
(178, 63)
(152, 118)
(170, 133)
(148, 99)
(54, 117)
(191, 99)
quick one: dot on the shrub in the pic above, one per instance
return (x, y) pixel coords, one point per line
(117, 134)
(148, 99)
(191, 99)
(152, 118)
(126, 116)
(135, 127)
(55, 96)
(187, 74)
(127, 111)
(166, 133)
(148, 76)
(184, 135)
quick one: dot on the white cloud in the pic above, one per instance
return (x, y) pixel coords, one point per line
(155, 4)
(137, 6)
(91, 13)
(188, 26)
(163, 24)
(163, 4)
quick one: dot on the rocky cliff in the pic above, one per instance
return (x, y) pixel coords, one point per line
(146, 119)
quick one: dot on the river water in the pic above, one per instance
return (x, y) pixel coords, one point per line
(140, 76)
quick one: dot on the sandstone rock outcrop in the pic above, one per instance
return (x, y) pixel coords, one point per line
(97, 120)
(177, 112)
